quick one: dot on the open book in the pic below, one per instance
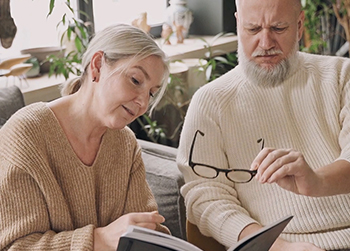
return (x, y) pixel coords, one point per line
(143, 239)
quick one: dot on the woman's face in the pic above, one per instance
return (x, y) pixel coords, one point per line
(125, 95)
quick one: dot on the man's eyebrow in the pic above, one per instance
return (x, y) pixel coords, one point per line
(280, 24)
(271, 25)
(250, 24)
(144, 71)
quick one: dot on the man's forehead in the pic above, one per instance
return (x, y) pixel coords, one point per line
(268, 9)
(295, 3)
(266, 14)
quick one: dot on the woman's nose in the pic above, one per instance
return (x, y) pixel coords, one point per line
(142, 99)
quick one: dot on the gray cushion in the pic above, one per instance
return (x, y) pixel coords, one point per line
(11, 100)
(165, 180)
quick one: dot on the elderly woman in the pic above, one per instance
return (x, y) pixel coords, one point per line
(71, 173)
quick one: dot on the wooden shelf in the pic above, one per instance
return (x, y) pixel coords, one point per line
(44, 88)
(194, 47)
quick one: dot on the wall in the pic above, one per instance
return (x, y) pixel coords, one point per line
(212, 16)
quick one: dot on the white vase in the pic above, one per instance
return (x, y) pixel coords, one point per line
(179, 14)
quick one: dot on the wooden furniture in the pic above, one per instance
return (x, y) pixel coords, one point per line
(205, 243)
(7, 63)
(194, 47)
(44, 88)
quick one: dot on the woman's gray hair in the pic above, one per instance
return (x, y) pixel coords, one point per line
(120, 41)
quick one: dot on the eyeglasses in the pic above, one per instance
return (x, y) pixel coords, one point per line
(211, 172)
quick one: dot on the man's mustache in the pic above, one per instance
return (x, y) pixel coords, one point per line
(258, 53)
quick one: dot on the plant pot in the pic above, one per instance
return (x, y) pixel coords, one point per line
(41, 54)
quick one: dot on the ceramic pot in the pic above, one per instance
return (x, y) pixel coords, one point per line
(179, 14)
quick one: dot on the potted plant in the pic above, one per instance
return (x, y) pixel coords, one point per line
(78, 34)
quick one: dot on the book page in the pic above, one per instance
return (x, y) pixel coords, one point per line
(162, 239)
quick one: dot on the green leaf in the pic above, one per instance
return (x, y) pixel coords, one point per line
(216, 37)
(208, 72)
(221, 59)
(69, 6)
(78, 43)
(64, 19)
(69, 33)
(52, 5)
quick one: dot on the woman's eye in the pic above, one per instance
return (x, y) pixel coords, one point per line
(135, 81)
(151, 95)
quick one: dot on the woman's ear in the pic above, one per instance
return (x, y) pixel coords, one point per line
(95, 65)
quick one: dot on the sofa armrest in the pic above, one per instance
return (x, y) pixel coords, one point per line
(165, 181)
(11, 100)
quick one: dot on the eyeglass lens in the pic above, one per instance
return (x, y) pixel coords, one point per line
(210, 172)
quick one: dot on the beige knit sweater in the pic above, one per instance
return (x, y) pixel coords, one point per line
(309, 112)
(50, 200)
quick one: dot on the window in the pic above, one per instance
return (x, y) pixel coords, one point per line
(34, 28)
(107, 12)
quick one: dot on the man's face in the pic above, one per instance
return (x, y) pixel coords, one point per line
(268, 30)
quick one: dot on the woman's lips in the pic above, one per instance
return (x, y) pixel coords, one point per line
(129, 111)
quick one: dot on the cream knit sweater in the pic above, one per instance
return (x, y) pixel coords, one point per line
(50, 200)
(309, 112)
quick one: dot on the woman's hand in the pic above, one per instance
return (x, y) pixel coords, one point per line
(107, 238)
(287, 168)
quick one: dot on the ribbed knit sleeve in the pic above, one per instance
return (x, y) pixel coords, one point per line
(139, 195)
(49, 199)
(308, 112)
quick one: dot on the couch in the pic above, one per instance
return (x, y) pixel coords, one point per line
(11, 99)
(162, 174)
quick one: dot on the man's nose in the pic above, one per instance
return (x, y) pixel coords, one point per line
(266, 40)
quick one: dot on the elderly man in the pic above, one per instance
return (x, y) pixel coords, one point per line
(297, 107)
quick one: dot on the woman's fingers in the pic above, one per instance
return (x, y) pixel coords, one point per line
(152, 217)
(147, 225)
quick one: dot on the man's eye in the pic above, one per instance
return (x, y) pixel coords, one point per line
(253, 30)
(151, 95)
(279, 29)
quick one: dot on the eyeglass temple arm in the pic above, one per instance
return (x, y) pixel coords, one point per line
(192, 146)
(262, 144)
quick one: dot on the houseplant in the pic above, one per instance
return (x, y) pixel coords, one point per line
(341, 10)
(77, 31)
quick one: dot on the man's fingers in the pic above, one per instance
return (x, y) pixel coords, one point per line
(280, 168)
(265, 159)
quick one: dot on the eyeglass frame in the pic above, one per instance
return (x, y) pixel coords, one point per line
(218, 170)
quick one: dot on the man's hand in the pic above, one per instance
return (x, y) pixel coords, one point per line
(280, 244)
(289, 169)
(284, 245)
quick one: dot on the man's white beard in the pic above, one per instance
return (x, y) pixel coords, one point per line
(272, 76)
